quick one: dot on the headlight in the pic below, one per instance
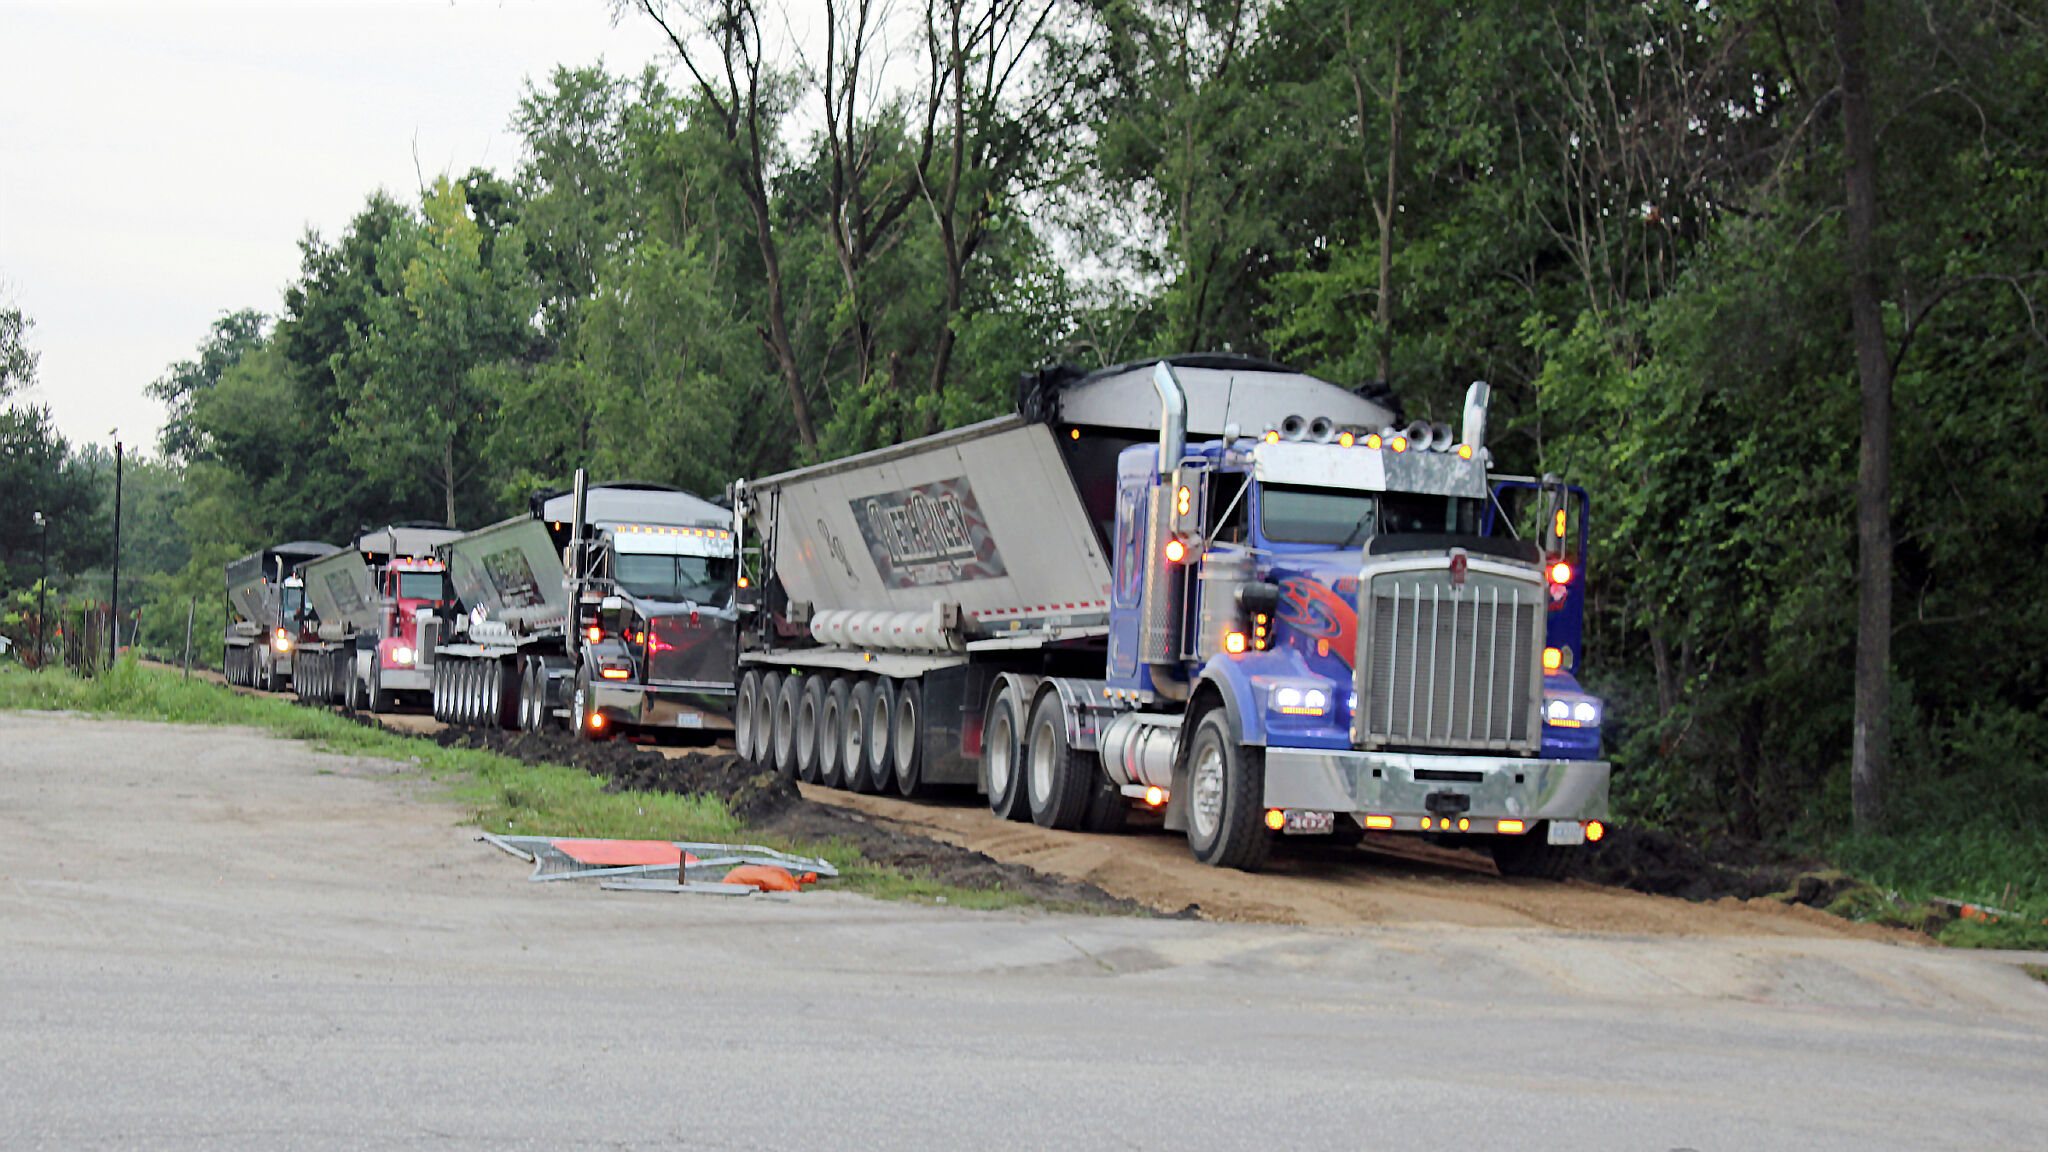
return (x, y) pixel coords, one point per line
(1585, 712)
(1559, 710)
(1296, 700)
(401, 655)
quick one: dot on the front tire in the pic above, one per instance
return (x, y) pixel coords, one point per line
(1226, 785)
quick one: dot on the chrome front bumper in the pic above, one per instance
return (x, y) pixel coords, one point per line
(403, 680)
(660, 707)
(1493, 787)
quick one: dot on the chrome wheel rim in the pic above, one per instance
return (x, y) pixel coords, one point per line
(999, 766)
(1205, 788)
(1040, 765)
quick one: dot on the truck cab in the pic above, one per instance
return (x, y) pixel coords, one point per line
(1363, 614)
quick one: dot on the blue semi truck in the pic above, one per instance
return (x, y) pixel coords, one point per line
(1207, 585)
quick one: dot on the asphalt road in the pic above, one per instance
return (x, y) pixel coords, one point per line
(213, 939)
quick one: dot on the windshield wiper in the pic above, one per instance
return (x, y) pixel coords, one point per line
(1351, 537)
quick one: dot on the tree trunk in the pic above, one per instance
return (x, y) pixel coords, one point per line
(448, 481)
(1872, 738)
(1383, 316)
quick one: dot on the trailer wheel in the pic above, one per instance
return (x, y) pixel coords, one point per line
(1057, 777)
(1001, 760)
(1531, 854)
(853, 736)
(764, 719)
(906, 746)
(809, 704)
(533, 695)
(881, 727)
(832, 734)
(504, 698)
(782, 726)
(743, 720)
(1226, 783)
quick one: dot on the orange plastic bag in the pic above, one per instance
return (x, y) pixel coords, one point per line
(769, 878)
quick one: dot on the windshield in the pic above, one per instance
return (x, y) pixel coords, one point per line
(698, 579)
(420, 586)
(294, 599)
(1338, 518)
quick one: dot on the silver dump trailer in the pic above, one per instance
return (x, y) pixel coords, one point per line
(605, 608)
(266, 614)
(371, 600)
(1210, 585)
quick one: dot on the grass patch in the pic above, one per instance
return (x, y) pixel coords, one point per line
(503, 795)
(1984, 864)
(2037, 971)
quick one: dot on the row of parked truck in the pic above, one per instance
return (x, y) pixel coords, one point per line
(1251, 600)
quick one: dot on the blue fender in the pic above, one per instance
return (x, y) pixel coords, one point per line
(1232, 680)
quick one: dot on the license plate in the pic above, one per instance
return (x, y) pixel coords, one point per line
(1300, 821)
(1567, 832)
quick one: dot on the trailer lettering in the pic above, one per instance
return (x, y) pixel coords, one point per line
(929, 534)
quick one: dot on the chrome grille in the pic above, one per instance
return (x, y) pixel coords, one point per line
(1446, 667)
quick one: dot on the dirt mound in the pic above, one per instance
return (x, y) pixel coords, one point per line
(1666, 864)
(773, 806)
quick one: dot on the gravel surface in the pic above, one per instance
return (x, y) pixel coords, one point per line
(219, 940)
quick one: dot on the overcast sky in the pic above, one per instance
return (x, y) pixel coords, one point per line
(159, 162)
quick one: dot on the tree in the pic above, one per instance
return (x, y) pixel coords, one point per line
(420, 377)
(230, 338)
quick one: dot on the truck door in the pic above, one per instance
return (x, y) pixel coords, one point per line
(1133, 490)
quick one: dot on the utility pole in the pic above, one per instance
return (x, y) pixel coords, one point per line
(114, 604)
(42, 590)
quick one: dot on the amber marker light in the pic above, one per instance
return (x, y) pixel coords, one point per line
(1155, 796)
(1183, 500)
(1560, 573)
(594, 632)
(1381, 822)
(1176, 551)
(1346, 439)
(1594, 831)
(1553, 659)
(1073, 433)
(1233, 642)
(616, 673)
(1464, 825)
(597, 721)
(1272, 437)
(1275, 819)
(1398, 443)
(1512, 827)
(1464, 451)
(1372, 440)
(745, 583)
(1425, 824)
